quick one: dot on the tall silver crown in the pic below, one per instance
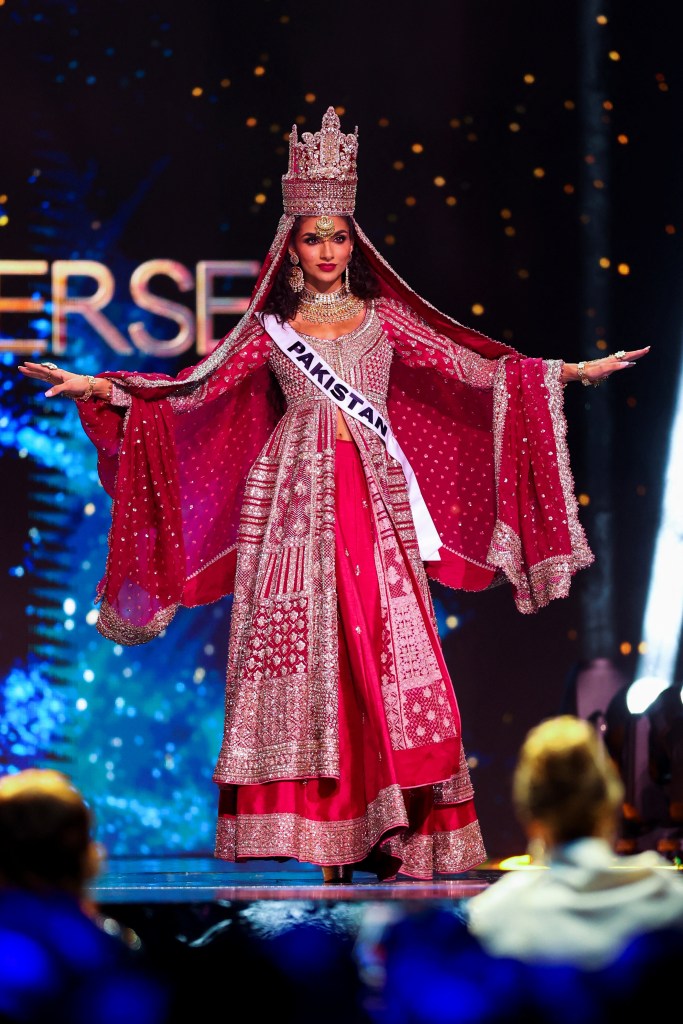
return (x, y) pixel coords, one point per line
(321, 177)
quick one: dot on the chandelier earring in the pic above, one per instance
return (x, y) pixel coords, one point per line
(346, 277)
(295, 276)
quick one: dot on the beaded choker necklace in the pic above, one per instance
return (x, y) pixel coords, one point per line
(329, 307)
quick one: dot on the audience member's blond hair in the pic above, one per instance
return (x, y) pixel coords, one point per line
(565, 785)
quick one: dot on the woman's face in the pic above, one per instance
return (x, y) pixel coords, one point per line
(324, 246)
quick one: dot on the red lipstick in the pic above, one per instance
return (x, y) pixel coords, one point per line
(326, 266)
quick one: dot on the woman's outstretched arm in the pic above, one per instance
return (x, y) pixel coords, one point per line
(79, 386)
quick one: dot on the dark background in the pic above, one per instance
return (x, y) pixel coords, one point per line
(134, 167)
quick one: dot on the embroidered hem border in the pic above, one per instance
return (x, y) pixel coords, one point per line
(350, 841)
(112, 626)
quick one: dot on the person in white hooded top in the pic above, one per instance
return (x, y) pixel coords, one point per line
(579, 903)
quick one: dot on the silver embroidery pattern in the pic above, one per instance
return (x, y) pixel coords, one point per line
(349, 841)
(424, 856)
(439, 352)
(457, 789)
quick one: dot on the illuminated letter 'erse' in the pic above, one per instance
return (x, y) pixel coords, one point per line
(90, 307)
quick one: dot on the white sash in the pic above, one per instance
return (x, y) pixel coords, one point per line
(307, 360)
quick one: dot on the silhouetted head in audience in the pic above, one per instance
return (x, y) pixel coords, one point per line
(45, 834)
(565, 785)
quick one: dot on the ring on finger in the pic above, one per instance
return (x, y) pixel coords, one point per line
(620, 354)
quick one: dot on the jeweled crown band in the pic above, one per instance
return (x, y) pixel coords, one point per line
(314, 198)
(321, 177)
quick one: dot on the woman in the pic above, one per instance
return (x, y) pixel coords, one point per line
(272, 469)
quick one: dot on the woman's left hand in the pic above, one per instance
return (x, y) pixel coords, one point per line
(594, 371)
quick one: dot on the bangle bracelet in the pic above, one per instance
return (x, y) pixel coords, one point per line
(586, 381)
(88, 391)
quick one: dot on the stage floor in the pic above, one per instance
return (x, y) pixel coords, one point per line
(205, 880)
(208, 928)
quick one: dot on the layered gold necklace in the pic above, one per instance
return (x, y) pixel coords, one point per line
(329, 307)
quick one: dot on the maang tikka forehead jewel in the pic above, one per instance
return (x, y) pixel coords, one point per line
(325, 228)
(321, 178)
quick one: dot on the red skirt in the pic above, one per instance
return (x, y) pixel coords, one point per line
(364, 817)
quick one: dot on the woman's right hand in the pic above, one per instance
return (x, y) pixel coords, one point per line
(62, 382)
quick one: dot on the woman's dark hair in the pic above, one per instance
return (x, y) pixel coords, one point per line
(283, 302)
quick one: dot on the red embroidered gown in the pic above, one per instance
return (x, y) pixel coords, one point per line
(342, 735)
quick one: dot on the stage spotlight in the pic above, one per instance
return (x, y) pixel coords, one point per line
(664, 607)
(642, 692)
